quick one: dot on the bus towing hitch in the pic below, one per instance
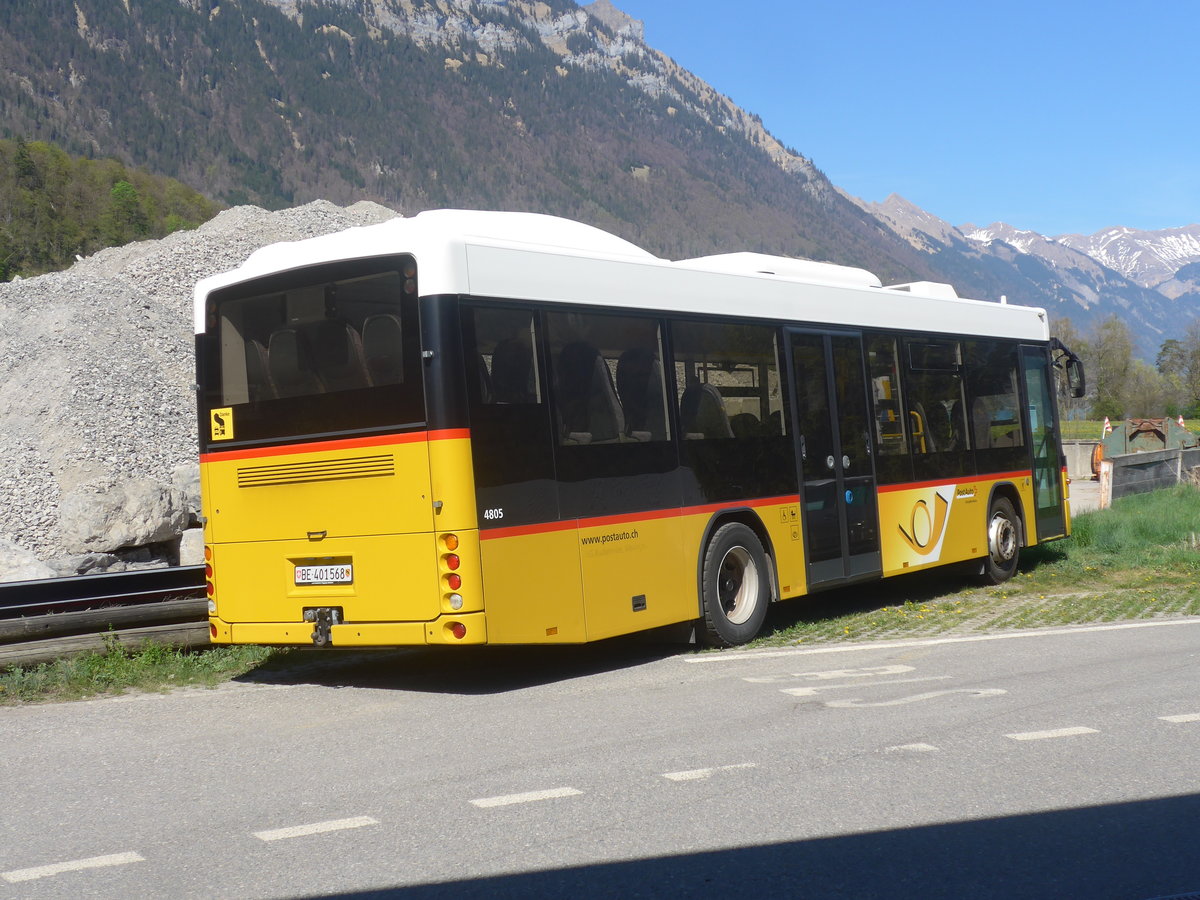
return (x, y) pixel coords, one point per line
(323, 618)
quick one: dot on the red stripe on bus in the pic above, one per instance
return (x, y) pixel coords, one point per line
(379, 440)
(964, 479)
(628, 518)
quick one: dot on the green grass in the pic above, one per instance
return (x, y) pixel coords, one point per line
(151, 667)
(1138, 560)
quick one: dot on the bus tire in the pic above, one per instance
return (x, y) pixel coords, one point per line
(735, 588)
(1003, 542)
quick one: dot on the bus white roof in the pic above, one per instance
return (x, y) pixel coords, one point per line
(529, 256)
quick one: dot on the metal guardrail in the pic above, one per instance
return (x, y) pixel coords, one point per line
(44, 620)
(51, 595)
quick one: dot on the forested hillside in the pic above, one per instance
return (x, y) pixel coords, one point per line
(251, 106)
(54, 207)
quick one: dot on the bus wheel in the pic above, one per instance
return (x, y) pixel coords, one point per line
(735, 586)
(1004, 542)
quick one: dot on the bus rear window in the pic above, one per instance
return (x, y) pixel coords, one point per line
(305, 354)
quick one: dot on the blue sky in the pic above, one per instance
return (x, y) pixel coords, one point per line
(1056, 116)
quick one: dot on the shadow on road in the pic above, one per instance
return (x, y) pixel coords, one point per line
(1135, 850)
(458, 670)
(496, 669)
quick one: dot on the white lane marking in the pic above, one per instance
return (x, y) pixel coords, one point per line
(830, 674)
(280, 834)
(1052, 733)
(915, 748)
(916, 698)
(75, 865)
(744, 655)
(812, 691)
(1186, 717)
(528, 797)
(701, 774)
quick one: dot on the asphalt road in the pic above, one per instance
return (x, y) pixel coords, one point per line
(1048, 764)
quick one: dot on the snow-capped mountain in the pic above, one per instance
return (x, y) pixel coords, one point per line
(1030, 267)
(1151, 258)
(1148, 258)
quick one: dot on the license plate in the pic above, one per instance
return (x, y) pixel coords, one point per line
(338, 574)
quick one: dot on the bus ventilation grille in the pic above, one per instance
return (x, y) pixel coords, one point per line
(319, 470)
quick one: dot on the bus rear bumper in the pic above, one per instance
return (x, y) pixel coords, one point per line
(442, 630)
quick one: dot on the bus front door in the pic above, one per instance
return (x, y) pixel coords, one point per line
(1050, 513)
(830, 409)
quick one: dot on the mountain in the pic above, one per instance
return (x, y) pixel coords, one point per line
(1022, 264)
(1151, 258)
(540, 105)
(509, 104)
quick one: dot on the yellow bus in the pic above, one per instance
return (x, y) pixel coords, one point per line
(481, 427)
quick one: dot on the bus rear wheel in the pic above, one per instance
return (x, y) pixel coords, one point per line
(735, 588)
(1003, 542)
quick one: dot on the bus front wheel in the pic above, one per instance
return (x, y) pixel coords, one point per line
(1003, 542)
(735, 586)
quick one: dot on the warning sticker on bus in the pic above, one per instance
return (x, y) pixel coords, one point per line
(340, 574)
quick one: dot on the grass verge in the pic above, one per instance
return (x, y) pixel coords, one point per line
(1138, 560)
(151, 667)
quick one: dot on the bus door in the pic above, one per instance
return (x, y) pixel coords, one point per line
(830, 408)
(1042, 426)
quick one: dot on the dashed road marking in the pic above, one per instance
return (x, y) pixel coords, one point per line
(915, 698)
(1052, 733)
(75, 865)
(829, 674)
(1186, 717)
(701, 774)
(528, 797)
(813, 691)
(280, 834)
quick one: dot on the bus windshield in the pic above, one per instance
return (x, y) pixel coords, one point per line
(314, 352)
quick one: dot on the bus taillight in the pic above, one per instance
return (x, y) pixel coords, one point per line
(452, 561)
(454, 581)
(458, 629)
(209, 588)
(450, 541)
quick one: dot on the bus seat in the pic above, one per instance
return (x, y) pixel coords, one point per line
(587, 401)
(290, 364)
(702, 412)
(338, 350)
(745, 425)
(981, 424)
(258, 376)
(383, 349)
(512, 372)
(640, 388)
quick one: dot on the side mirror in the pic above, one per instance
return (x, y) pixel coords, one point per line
(1076, 381)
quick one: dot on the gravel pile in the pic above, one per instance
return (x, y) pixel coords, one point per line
(97, 362)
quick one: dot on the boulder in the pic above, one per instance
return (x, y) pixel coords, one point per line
(130, 514)
(186, 479)
(191, 547)
(18, 564)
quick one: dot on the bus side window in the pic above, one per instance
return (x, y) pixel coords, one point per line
(505, 365)
(890, 437)
(608, 378)
(728, 381)
(937, 413)
(994, 396)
